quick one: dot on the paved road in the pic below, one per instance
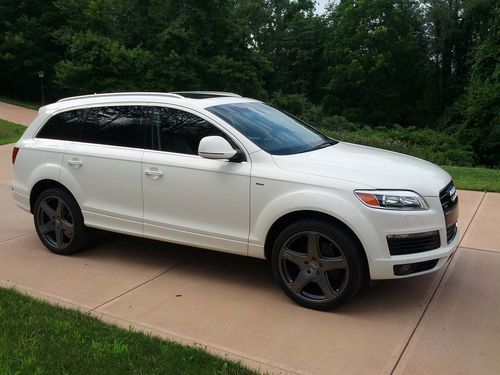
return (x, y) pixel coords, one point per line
(447, 322)
(14, 113)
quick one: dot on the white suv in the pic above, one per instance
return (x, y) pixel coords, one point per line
(232, 174)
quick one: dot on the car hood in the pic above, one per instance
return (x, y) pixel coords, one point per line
(368, 166)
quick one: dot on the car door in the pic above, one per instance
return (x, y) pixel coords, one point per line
(189, 199)
(103, 170)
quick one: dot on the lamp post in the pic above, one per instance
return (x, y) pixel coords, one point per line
(41, 75)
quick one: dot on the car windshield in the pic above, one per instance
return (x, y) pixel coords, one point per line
(272, 130)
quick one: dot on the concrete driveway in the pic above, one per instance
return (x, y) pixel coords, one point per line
(447, 322)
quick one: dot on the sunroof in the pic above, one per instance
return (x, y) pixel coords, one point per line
(196, 95)
(204, 94)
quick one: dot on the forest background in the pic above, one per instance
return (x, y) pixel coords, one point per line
(421, 77)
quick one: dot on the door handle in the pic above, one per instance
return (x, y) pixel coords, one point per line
(154, 173)
(75, 163)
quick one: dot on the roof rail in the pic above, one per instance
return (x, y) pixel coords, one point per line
(204, 94)
(170, 95)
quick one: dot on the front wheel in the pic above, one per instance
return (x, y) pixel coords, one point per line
(318, 265)
(59, 222)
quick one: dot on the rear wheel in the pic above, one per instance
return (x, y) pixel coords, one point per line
(59, 222)
(318, 265)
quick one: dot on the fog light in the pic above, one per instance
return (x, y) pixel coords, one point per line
(403, 269)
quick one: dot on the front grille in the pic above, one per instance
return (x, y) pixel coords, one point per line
(446, 195)
(451, 232)
(449, 202)
(402, 244)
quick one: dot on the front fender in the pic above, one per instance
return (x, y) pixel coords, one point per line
(336, 203)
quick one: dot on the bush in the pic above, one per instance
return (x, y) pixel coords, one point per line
(439, 147)
(434, 146)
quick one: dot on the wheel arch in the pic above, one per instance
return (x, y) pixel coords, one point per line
(294, 216)
(42, 185)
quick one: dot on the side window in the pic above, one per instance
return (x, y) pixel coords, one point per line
(177, 131)
(116, 126)
(64, 126)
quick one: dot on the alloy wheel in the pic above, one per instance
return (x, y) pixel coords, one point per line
(55, 222)
(313, 267)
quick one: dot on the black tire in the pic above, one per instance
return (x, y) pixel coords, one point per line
(59, 222)
(318, 279)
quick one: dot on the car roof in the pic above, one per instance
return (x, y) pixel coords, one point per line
(190, 99)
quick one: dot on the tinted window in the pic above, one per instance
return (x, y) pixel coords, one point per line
(117, 126)
(64, 126)
(174, 130)
(270, 129)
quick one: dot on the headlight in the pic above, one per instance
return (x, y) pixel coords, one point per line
(392, 200)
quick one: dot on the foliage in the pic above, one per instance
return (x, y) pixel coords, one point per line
(423, 63)
(481, 124)
(436, 147)
(376, 60)
(37, 338)
(27, 47)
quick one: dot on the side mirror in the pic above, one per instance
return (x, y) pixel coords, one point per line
(215, 147)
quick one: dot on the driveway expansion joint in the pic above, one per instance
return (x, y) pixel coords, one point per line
(423, 313)
(170, 268)
(436, 288)
(478, 249)
(472, 218)
(20, 236)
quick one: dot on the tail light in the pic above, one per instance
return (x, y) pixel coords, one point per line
(15, 151)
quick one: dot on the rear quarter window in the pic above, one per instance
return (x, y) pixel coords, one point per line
(64, 126)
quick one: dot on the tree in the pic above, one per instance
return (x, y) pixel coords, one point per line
(26, 47)
(450, 41)
(376, 56)
(156, 45)
(481, 105)
(290, 36)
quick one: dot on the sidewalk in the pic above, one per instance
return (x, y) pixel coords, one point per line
(447, 322)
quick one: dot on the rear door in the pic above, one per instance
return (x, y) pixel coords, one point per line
(104, 169)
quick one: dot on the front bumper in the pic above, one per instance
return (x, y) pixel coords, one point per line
(377, 224)
(384, 268)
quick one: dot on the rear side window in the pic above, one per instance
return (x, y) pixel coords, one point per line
(178, 131)
(116, 126)
(64, 126)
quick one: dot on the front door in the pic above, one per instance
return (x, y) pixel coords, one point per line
(189, 199)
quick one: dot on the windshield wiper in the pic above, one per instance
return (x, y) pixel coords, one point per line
(330, 142)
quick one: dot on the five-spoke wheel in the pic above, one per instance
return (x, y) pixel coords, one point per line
(317, 264)
(59, 222)
(313, 266)
(55, 222)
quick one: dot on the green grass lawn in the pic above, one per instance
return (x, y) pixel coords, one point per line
(10, 132)
(29, 105)
(482, 179)
(39, 338)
